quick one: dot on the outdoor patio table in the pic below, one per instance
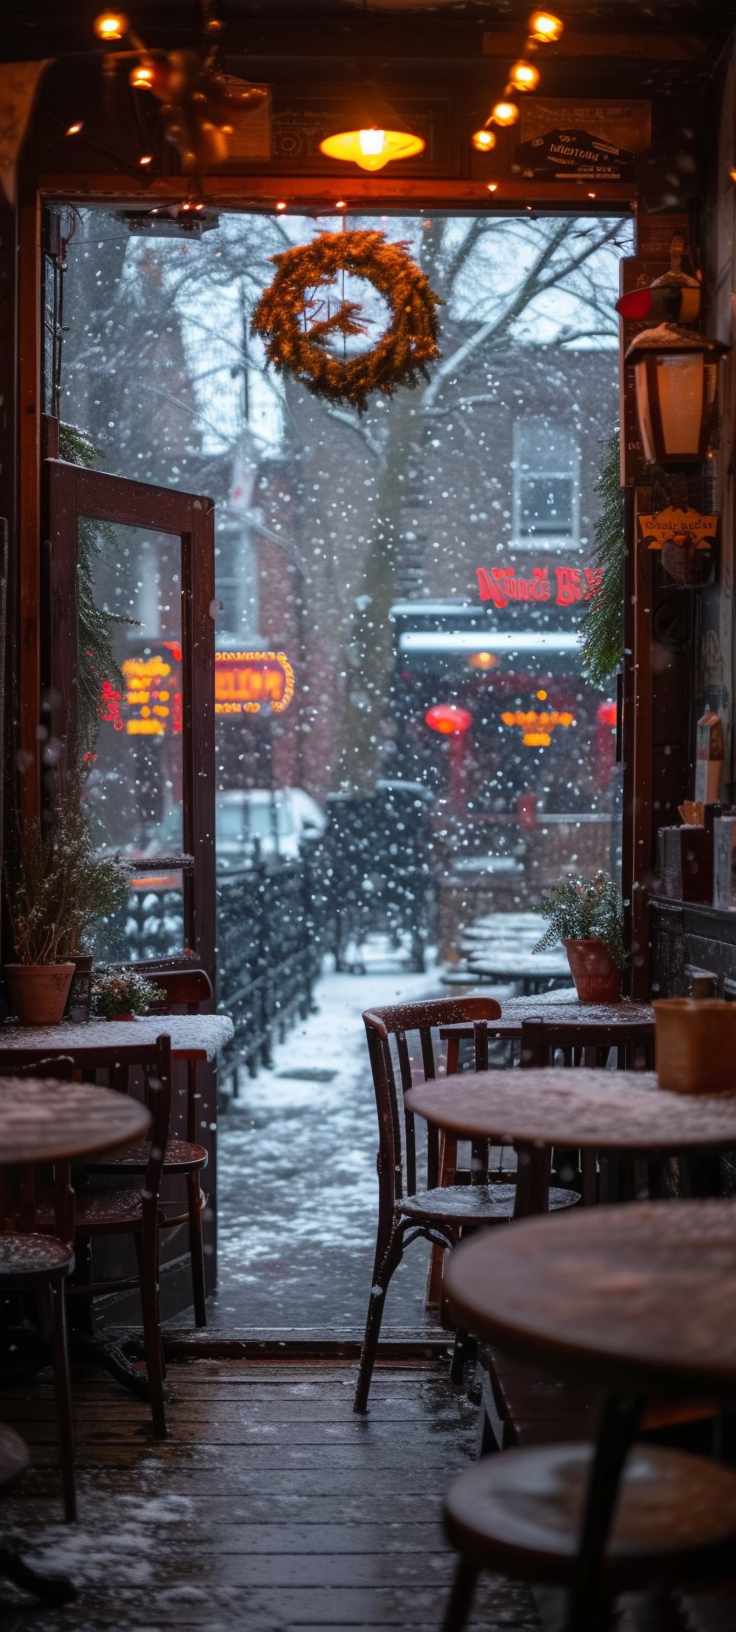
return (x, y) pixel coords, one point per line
(623, 1112)
(64, 1121)
(561, 1006)
(639, 1299)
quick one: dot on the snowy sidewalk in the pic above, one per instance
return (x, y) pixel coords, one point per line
(297, 1172)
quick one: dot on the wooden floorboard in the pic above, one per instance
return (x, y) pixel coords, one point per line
(270, 1507)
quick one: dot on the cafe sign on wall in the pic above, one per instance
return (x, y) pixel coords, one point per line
(586, 139)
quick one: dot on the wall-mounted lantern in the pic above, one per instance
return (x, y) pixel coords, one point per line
(675, 367)
(676, 377)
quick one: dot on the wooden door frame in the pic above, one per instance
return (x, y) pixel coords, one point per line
(75, 491)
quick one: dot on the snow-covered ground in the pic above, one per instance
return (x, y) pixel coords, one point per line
(297, 1170)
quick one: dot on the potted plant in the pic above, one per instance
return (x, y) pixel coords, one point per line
(57, 887)
(586, 915)
(122, 994)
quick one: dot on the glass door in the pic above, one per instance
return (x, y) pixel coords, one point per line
(131, 568)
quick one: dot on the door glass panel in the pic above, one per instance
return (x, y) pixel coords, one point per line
(131, 720)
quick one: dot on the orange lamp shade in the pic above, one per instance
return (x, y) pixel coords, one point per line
(448, 719)
(371, 147)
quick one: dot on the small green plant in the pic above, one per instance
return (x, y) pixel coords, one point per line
(584, 909)
(123, 991)
(58, 887)
(602, 627)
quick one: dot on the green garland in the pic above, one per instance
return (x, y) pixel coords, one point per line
(602, 627)
(96, 661)
(401, 355)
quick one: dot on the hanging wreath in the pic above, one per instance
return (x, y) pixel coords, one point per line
(296, 336)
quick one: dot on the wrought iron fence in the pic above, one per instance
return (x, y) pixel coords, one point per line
(269, 952)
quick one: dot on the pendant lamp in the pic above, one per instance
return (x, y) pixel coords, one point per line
(371, 134)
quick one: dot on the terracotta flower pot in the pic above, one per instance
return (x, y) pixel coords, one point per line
(597, 980)
(695, 1045)
(38, 991)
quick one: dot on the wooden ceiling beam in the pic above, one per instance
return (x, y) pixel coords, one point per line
(312, 193)
(663, 47)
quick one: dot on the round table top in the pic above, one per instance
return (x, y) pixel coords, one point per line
(598, 1110)
(641, 1293)
(56, 1121)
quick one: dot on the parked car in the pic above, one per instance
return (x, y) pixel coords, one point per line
(279, 821)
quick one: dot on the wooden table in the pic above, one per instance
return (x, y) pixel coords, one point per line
(63, 1121)
(640, 1298)
(193, 1036)
(562, 1007)
(625, 1112)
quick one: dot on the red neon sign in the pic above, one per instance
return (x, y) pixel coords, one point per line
(573, 584)
(448, 719)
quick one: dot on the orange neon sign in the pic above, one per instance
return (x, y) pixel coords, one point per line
(246, 681)
(152, 696)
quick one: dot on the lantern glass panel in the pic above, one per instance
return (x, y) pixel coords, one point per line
(680, 382)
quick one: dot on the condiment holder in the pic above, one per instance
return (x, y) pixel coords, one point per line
(695, 1045)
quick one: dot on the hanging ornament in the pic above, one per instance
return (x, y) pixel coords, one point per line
(198, 99)
(289, 317)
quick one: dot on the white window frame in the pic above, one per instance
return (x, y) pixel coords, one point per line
(543, 541)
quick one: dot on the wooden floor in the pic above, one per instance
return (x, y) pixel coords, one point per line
(270, 1507)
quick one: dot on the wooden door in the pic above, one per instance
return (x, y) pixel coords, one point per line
(186, 520)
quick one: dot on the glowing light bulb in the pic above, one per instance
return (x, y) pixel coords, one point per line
(483, 140)
(147, 159)
(524, 76)
(111, 25)
(341, 204)
(545, 27)
(142, 77)
(371, 143)
(75, 129)
(505, 113)
(493, 186)
(281, 204)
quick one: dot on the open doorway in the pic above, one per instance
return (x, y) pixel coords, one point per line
(405, 741)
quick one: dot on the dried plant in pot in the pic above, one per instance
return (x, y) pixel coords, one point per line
(586, 915)
(58, 887)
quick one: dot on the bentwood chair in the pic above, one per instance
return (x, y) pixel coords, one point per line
(35, 1262)
(132, 1209)
(185, 989)
(439, 1211)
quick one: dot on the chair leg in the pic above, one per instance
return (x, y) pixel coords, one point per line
(461, 1598)
(376, 1303)
(148, 1260)
(196, 1248)
(465, 1350)
(64, 1409)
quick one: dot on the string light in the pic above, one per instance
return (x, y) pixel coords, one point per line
(505, 113)
(524, 76)
(493, 186)
(142, 77)
(75, 129)
(147, 159)
(111, 25)
(281, 204)
(543, 29)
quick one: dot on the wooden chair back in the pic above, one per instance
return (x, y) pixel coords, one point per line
(185, 989)
(397, 1153)
(583, 1042)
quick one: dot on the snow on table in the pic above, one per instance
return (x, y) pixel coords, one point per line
(195, 1036)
